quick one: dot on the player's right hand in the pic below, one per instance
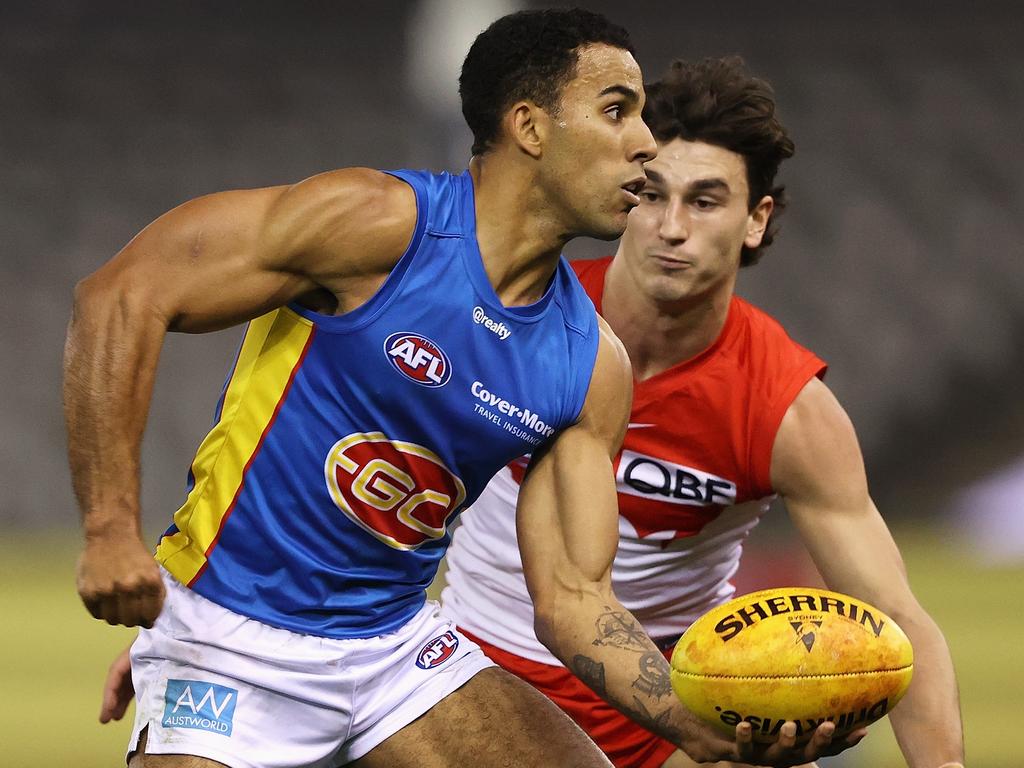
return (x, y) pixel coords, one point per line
(119, 582)
(118, 690)
(706, 745)
(786, 752)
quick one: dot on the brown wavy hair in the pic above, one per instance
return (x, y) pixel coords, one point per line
(719, 102)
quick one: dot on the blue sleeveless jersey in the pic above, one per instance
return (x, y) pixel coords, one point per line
(344, 446)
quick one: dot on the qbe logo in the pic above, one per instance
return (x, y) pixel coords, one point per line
(437, 651)
(200, 705)
(418, 359)
(651, 477)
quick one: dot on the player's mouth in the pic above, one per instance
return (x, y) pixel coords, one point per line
(632, 190)
(668, 261)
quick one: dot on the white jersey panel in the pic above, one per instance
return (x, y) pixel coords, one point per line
(665, 582)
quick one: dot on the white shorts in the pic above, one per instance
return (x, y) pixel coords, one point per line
(218, 685)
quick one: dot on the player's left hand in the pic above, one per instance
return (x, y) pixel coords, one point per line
(119, 581)
(118, 690)
(785, 752)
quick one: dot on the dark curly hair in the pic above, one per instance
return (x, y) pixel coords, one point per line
(719, 102)
(527, 55)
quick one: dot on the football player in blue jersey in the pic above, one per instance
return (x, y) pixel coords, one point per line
(284, 620)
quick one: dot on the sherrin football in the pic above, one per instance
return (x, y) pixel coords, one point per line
(793, 653)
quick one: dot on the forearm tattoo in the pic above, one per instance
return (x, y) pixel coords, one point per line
(591, 673)
(657, 722)
(653, 681)
(621, 630)
(654, 677)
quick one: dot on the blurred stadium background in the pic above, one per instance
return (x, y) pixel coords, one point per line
(899, 262)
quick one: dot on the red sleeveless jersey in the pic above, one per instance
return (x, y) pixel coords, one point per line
(701, 432)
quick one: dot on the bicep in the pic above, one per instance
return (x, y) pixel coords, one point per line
(818, 469)
(202, 265)
(567, 516)
(567, 520)
(227, 257)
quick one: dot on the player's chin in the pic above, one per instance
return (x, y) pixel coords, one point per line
(609, 226)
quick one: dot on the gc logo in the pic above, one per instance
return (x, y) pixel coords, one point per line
(401, 493)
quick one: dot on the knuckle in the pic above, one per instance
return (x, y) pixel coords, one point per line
(91, 593)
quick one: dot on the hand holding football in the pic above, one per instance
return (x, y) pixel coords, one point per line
(794, 653)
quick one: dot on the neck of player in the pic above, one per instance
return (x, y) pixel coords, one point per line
(519, 240)
(660, 334)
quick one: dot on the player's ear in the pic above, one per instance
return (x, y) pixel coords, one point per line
(528, 127)
(757, 221)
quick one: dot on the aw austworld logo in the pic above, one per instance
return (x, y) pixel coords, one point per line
(500, 330)
(200, 705)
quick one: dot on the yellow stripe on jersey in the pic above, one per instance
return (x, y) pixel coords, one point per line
(273, 348)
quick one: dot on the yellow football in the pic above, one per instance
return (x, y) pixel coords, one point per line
(793, 653)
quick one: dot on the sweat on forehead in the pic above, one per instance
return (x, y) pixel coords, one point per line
(602, 70)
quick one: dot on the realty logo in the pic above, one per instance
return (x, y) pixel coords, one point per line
(200, 705)
(805, 632)
(499, 329)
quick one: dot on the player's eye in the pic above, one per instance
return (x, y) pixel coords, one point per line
(705, 204)
(650, 196)
(614, 112)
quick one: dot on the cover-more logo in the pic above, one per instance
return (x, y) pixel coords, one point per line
(418, 359)
(200, 705)
(499, 329)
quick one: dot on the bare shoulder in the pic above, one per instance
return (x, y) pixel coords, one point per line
(613, 349)
(356, 218)
(610, 396)
(816, 444)
(226, 257)
(814, 415)
(373, 192)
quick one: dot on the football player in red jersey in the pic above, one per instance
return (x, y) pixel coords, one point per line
(727, 412)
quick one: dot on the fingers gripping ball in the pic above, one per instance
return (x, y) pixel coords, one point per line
(794, 653)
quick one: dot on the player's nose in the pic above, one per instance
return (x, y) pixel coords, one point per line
(675, 222)
(642, 146)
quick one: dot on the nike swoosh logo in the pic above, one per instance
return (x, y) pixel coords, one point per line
(638, 425)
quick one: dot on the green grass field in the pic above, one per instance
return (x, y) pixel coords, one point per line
(55, 657)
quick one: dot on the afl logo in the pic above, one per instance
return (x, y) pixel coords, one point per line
(437, 651)
(418, 359)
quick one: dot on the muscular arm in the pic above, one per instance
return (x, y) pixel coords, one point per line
(818, 469)
(567, 524)
(207, 264)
